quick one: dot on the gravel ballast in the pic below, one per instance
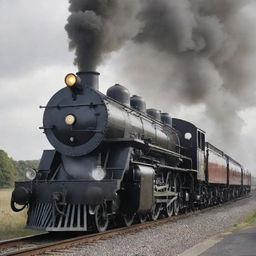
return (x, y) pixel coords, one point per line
(172, 238)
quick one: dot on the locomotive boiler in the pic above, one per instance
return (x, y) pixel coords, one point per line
(116, 161)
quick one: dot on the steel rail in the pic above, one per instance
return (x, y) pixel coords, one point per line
(20, 240)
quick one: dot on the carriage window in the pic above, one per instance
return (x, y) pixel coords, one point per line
(203, 141)
(200, 140)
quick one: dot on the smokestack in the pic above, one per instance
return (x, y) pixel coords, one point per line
(90, 79)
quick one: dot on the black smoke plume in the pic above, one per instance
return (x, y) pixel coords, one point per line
(98, 27)
(205, 47)
(184, 52)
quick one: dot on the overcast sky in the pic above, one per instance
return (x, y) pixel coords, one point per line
(34, 59)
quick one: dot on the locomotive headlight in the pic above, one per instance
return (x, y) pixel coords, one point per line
(98, 173)
(70, 119)
(71, 80)
(31, 174)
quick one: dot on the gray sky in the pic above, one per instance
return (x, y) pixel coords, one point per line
(34, 59)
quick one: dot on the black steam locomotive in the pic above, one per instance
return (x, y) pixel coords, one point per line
(114, 160)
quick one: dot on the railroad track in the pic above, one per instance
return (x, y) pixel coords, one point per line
(47, 242)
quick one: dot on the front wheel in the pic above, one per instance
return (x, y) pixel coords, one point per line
(101, 217)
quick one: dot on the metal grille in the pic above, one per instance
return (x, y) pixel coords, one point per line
(43, 216)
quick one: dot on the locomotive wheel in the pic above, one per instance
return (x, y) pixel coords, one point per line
(204, 201)
(228, 195)
(215, 196)
(176, 207)
(101, 217)
(142, 217)
(169, 208)
(176, 203)
(155, 212)
(221, 197)
(128, 219)
(231, 195)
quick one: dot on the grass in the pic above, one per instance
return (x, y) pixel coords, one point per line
(248, 221)
(11, 223)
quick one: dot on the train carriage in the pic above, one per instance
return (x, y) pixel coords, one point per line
(246, 178)
(247, 181)
(217, 165)
(235, 172)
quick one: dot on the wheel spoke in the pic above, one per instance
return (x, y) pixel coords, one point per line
(101, 217)
(155, 212)
(174, 186)
(128, 219)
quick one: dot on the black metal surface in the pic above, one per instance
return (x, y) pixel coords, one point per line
(78, 192)
(154, 113)
(119, 93)
(79, 168)
(48, 163)
(189, 147)
(145, 176)
(80, 138)
(166, 119)
(118, 161)
(89, 79)
(98, 118)
(172, 156)
(138, 103)
(21, 195)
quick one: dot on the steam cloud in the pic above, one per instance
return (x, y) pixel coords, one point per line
(97, 27)
(194, 51)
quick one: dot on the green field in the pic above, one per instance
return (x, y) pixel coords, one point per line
(248, 221)
(11, 223)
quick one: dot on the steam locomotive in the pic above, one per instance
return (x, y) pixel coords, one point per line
(114, 161)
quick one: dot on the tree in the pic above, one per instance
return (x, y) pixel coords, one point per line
(6, 170)
(22, 166)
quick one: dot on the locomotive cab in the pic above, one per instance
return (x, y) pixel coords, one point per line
(193, 145)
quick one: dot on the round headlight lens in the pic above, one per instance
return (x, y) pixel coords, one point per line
(188, 136)
(71, 80)
(98, 173)
(70, 119)
(31, 174)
